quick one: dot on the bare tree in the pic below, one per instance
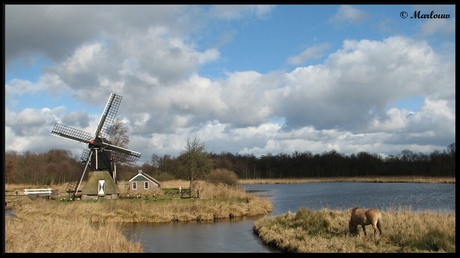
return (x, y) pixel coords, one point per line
(10, 166)
(118, 133)
(195, 160)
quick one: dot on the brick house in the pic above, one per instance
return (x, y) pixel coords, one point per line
(143, 184)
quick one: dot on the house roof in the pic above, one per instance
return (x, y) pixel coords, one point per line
(144, 177)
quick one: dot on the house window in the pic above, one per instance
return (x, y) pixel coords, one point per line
(134, 185)
(146, 185)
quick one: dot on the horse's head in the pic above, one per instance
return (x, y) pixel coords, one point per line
(352, 228)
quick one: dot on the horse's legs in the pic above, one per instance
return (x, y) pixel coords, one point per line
(379, 226)
(364, 229)
(375, 229)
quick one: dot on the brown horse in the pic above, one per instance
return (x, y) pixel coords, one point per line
(365, 217)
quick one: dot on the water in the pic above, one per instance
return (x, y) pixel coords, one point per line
(236, 235)
(225, 236)
(384, 196)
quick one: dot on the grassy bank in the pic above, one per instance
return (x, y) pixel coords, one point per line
(51, 234)
(216, 202)
(41, 225)
(53, 226)
(326, 231)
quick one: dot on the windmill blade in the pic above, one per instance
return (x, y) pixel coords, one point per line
(127, 158)
(80, 169)
(108, 116)
(70, 133)
(121, 154)
(86, 162)
(104, 144)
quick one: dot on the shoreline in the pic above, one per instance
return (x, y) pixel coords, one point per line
(370, 179)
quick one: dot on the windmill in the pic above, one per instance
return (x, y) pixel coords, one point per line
(101, 154)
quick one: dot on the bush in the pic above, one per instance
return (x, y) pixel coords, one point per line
(223, 176)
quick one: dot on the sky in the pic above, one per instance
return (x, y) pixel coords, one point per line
(243, 79)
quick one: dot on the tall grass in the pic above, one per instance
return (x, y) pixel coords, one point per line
(217, 201)
(326, 231)
(41, 225)
(50, 234)
(48, 226)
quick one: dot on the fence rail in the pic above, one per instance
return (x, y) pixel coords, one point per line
(41, 192)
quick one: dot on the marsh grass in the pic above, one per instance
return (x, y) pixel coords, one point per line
(326, 231)
(57, 226)
(51, 234)
(217, 201)
(48, 226)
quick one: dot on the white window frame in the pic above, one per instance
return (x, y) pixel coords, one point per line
(146, 185)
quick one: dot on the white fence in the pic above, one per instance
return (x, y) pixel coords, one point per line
(40, 192)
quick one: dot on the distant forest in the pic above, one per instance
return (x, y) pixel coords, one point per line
(57, 166)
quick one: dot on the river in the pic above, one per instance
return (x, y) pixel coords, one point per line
(236, 235)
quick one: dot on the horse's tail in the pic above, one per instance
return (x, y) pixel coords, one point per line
(379, 224)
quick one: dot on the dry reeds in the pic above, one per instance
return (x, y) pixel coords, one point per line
(50, 234)
(326, 231)
(41, 225)
(49, 226)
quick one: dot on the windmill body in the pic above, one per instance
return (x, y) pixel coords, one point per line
(100, 156)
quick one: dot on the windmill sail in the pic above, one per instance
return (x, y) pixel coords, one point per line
(77, 176)
(71, 133)
(108, 116)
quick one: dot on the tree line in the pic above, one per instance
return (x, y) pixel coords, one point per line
(57, 165)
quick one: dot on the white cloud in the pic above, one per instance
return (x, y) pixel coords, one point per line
(231, 12)
(155, 64)
(396, 122)
(347, 13)
(81, 61)
(309, 53)
(437, 26)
